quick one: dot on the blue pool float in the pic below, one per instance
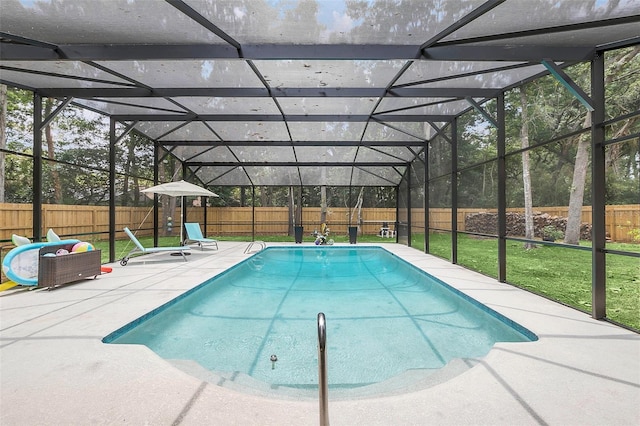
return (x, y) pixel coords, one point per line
(20, 265)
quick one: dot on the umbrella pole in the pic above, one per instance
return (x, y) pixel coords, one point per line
(183, 219)
(183, 211)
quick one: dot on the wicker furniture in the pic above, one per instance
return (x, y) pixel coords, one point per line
(58, 270)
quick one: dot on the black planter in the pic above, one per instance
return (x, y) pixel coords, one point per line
(298, 232)
(353, 234)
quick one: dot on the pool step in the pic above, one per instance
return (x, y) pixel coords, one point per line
(242, 382)
(409, 381)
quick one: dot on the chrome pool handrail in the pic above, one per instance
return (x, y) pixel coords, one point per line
(323, 386)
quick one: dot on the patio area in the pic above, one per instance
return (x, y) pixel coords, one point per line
(55, 370)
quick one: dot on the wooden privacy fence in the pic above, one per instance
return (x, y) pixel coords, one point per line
(93, 221)
(69, 220)
(621, 221)
(275, 220)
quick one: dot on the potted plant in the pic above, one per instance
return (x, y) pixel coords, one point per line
(551, 233)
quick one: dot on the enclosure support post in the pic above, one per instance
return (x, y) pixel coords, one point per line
(156, 219)
(502, 192)
(37, 167)
(397, 224)
(112, 190)
(349, 211)
(409, 205)
(426, 197)
(183, 205)
(253, 213)
(300, 203)
(598, 181)
(454, 191)
(203, 203)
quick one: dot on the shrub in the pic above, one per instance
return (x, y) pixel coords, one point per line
(551, 233)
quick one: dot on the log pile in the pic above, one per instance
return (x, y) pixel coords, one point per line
(487, 223)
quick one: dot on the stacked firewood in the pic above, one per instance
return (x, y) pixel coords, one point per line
(487, 223)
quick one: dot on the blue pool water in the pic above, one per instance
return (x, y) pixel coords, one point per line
(384, 318)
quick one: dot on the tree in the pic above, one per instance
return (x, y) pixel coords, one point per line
(526, 175)
(572, 233)
(167, 171)
(357, 210)
(18, 132)
(576, 198)
(323, 196)
(51, 153)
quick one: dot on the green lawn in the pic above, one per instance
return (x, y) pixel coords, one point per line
(557, 272)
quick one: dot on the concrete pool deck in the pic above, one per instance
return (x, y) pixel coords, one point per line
(54, 369)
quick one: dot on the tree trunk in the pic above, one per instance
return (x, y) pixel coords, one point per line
(484, 180)
(526, 174)
(55, 176)
(243, 196)
(323, 197)
(168, 207)
(127, 171)
(298, 206)
(3, 136)
(268, 191)
(292, 210)
(358, 210)
(263, 196)
(323, 204)
(576, 196)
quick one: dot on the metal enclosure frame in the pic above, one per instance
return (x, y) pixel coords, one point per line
(472, 57)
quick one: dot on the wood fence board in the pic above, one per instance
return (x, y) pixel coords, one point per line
(68, 220)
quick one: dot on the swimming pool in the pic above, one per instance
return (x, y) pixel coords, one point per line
(389, 325)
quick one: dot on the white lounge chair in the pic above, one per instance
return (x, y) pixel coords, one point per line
(143, 250)
(194, 235)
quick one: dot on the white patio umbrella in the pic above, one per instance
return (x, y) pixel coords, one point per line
(179, 189)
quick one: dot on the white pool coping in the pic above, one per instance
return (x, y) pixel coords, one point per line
(54, 369)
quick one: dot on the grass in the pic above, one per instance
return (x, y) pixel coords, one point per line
(556, 272)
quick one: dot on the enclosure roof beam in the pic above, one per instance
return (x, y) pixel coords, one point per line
(568, 83)
(289, 118)
(509, 38)
(126, 131)
(55, 113)
(439, 132)
(249, 143)
(295, 164)
(140, 52)
(511, 52)
(476, 13)
(482, 111)
(260, 92)
(191, 13)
